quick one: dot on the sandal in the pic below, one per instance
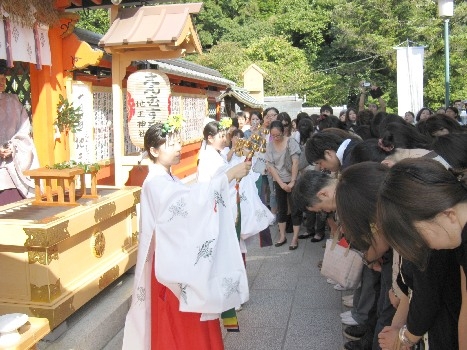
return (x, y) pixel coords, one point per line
(318, 237)
(278, 244)
(293, 247)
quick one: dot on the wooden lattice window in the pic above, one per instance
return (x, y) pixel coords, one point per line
(19, 82)
(212, 108)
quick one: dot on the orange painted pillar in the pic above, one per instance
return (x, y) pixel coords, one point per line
(46, 85)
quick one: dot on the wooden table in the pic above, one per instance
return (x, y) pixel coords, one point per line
(65, 180)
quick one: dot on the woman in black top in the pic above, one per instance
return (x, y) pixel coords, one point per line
(422, 206)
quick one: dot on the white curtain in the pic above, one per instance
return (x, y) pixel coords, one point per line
(24, 47)
(409, 79)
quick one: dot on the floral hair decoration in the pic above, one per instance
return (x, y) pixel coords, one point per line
(225, 123)
(173, 124)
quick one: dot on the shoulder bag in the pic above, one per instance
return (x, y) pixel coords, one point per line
(343, 265)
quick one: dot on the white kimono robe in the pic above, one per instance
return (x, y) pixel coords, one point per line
(255, 215)
(15, 128)
(196, 251)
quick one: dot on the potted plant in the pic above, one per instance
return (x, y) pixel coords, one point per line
(68, 116)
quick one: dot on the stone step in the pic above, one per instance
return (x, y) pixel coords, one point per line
(116, 342)
(96, 325)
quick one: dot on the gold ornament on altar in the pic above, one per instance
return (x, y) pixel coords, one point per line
(98, 244)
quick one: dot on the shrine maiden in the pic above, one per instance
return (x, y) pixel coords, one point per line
(17, 150)
(189, 268)
(255, 216)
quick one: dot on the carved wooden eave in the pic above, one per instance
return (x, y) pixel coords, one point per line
(144, 33)
(162, 31)
(78, 54)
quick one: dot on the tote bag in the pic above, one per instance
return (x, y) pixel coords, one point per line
(343, 265)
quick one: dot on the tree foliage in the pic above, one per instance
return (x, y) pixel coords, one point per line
(344, 42)
(97, 21)
(324, 48)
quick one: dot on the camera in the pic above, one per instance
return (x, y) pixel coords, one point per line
(366, 84)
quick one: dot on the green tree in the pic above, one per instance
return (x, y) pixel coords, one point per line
(303, 24)
(286, 66)
(324, 48)
(272, 54)
(229, 58)
(96, 21)
(250, 31)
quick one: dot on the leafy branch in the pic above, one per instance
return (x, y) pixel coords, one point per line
(87, 167)
(68, 117)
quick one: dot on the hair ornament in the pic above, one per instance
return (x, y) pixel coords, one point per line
(460, 174)
(173, 124)
(225, 123)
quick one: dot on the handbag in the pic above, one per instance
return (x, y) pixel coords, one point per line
(288, 157)
(343, 265)
(302, 162)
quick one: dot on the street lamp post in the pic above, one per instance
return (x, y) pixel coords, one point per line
(446, 11)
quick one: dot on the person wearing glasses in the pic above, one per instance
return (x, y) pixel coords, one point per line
(277, 151)
(269, 115)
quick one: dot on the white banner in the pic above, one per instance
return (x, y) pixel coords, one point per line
(409, 79)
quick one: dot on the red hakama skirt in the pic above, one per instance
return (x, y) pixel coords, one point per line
(175, 330)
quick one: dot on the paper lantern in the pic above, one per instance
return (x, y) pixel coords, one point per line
(147, 102)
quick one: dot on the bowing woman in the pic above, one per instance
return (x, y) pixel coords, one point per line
(187, 272)
(284, 179)
(422, 209)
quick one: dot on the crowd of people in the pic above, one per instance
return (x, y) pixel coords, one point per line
(398, 193)
(394, 187)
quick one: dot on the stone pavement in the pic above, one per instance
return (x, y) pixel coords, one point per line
(291, 306)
